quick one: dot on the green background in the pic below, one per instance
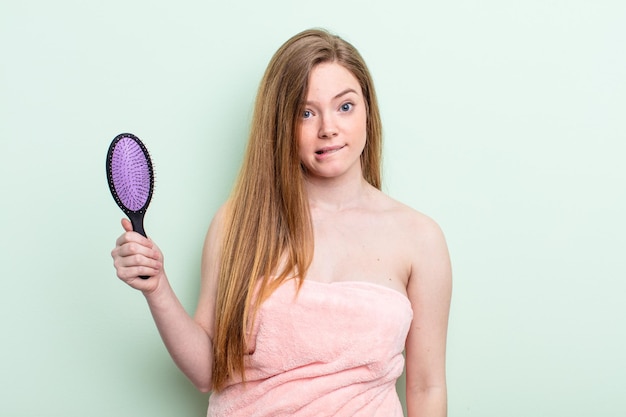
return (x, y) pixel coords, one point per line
(504, 120)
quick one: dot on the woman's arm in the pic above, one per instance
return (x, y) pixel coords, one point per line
(187, 340)
(429, 290)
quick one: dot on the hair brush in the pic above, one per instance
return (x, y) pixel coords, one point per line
(130, 177)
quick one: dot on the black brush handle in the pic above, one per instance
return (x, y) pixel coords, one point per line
(136, 219)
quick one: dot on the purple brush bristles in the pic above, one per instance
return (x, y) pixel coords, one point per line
(130, 174)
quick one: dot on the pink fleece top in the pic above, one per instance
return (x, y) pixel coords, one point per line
(331, 350)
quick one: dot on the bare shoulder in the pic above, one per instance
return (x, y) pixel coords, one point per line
(415, 225)
(422, 242)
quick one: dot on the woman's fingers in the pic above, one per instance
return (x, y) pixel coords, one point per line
(129, 248)
(125, 258)
(130, 254)
(131, 273)
(129, 266)
(127, 225)
(134, 256)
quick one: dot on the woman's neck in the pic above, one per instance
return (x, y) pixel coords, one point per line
(337, 194)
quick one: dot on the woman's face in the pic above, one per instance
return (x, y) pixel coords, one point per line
(333, 129)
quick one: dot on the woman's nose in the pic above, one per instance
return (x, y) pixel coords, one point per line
(328, 127)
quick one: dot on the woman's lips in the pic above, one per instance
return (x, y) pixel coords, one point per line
(327, 150)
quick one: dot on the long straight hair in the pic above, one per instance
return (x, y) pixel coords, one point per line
(268, 235)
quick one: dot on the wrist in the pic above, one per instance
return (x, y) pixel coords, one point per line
(156, 291)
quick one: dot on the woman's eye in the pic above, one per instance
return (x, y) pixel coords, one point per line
(307, 114)
(346, 107)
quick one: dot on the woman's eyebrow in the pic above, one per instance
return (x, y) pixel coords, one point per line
(343, 93)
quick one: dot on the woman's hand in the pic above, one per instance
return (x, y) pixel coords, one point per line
(135, 256)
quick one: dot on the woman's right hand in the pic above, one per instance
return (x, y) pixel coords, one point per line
(135, 255)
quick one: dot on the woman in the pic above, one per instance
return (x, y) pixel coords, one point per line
(313, 280)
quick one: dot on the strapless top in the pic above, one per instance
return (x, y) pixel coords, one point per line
(326, 350)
